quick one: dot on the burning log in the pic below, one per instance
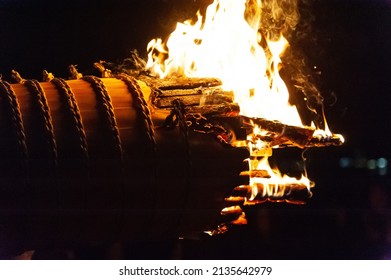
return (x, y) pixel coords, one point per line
(191, 92)
(235, 199)
(256, 174)
(233, 210)
(179, 83)
(296, 193)
(323, 141)
(283, 134)
(279, 134)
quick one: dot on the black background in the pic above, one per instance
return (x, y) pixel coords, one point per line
(350, 45)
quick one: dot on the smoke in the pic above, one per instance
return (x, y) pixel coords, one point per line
(298, 70)
(292, 19)
(279, 17)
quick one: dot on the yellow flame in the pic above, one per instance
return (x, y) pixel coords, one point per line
(223, 45)
(275, 186)
(226, 44)
(326, 132)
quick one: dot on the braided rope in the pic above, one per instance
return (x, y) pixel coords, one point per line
(141, 107)
(107, 108)
(9, 96)
(74, 116)
(20, 170)
(144, 117)
(37, 91)
(74, 111)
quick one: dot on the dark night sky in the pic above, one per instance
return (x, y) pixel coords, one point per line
(350, 44)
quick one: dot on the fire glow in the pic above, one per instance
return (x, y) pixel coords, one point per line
(228, 43)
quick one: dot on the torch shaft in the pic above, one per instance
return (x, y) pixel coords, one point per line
(99, 166)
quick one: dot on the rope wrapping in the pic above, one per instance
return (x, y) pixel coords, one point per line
(74, 112)
(107, 110)
(38, 93)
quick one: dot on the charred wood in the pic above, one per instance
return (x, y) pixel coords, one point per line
(256, 174)
(291, 192)
(180, 83)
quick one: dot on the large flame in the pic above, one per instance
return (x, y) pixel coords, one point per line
(228, 43)
(224, 45)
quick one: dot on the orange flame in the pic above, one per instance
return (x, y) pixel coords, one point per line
(226, 44)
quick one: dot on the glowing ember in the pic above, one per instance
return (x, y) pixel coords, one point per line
(229, 42)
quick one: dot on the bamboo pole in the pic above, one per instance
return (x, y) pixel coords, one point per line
(163, 184)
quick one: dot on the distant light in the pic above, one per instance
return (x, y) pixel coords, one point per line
(371, 164)
(383, 171)
(345, 162)
(382, 163)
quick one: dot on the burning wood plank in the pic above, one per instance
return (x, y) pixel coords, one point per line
(256, 174)
(194, 97)
(278, 134)
(173, 83)
(281, 134)
(235, 199)
(285, 192)
(323, 141)
(233, 210)
(205, 94)
(246, 195)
